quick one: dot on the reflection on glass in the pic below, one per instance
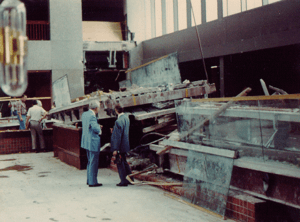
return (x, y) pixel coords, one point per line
(253, 128)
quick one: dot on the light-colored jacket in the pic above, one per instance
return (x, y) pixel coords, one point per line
(90, 139)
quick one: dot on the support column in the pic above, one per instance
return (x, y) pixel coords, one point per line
(164, 17)
(220, 9)
(243, 5)
(66, 43)
(175, 12)
(222, 74)
(203, 11)
(189, 13)
(153, 19)
(265, 2)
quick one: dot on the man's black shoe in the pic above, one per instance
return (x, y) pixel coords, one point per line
(122, 184)
(96, 185)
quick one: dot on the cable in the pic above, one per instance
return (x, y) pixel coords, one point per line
(199, 41)
(147, 144)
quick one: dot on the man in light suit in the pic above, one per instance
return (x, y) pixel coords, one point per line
(90, 141)
(120, 144)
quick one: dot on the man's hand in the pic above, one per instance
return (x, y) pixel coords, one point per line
(21, 119)
(113, 158)
(111, 130)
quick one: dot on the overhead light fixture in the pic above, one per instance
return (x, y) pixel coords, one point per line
(13, 48)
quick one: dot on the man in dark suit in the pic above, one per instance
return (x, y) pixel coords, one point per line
(120, 144)
(90, 141)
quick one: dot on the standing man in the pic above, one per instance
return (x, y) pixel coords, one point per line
(21, 112)
(35, 115)
(12, 106)
(90, 141)
(120, 144)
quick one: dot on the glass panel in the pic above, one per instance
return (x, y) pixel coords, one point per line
(273, 1)
(158, 18)
(234, 7)
(207, 180)
(253, 4)
(196, 4)
(170, 16)
(280, 127)
(260, 131)
(225, 8)
(268, 130)
(182, 15)
(211, 10)
(148, 19)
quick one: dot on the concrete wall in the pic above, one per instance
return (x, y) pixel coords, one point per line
(39, 55)
(136, 57)
(66, 43)
(270, 26)
(136, 19)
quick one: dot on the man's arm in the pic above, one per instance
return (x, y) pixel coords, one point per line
(27, 121)
(116, 138)
(20, 116)
(43, 117)
(94, 125)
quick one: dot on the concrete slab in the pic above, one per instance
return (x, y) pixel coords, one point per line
(39, 187)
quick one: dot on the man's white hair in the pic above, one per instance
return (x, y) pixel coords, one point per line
(39, 103)
(94, 104)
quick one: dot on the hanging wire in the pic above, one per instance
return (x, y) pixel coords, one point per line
(199, 42)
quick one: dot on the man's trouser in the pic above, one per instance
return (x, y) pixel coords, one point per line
(22, 123)
(123, 167)
(92, 167)
(36, 129)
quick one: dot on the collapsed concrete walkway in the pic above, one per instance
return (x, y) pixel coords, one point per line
(39, 187)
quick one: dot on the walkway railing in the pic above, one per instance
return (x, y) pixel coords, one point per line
(38, 30)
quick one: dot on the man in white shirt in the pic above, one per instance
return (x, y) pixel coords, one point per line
(35, 115)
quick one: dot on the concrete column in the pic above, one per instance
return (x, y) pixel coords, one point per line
(175, 12)
(243, 5)
(220, 9)
(189, 13)
(203, 11)
(164, 17)
(265, 2)
(66, 43)
(153, 19)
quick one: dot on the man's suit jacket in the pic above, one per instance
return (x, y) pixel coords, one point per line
(120, 135)
(90, 139)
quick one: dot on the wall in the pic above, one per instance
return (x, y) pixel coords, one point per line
(265, 27)
(39, 55)
(19, 141)
(101, 31)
